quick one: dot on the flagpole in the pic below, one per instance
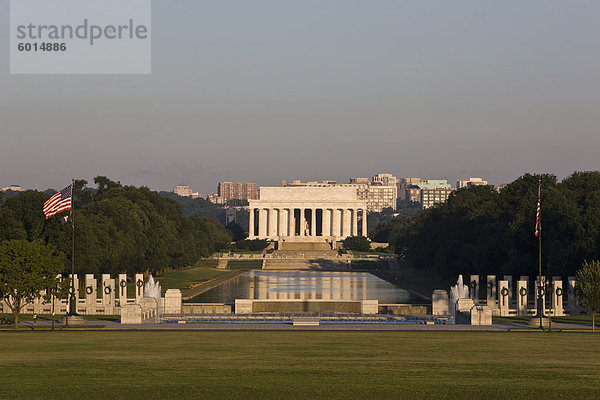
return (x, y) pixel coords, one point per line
(540, 289)
(73, 307)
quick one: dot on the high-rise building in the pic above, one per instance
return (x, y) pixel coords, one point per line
(404, 184)
(470, 182)
(427, 192)
(183, 190)
(431, 196)
(385, 179)
(237, 191)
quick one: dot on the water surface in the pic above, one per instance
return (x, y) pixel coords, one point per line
(305, 285)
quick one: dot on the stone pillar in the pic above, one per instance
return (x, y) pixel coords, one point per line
(557, 298)
(511, 298)
(272, 222)
(503, 298)
(364, 223)
(439, 302)
(326, 222)
(172, 301)
(492, 294)
(302, 222)
(346, 223)
(572, 302)
(292, 222)
(75, 283)
(251, 224)
(283, 222)
(354, 222)
(122, 289)
(108, 291)
(474, 288)
(537, 294)
(521, 296)
(139, 287)
(262, 223)
(336, 222)
(313, 222)
(91, 286)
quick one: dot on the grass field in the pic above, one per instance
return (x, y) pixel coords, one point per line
(299, 365)
(203, 271)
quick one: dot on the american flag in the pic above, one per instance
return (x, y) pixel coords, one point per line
(60, 202)
(538, 222)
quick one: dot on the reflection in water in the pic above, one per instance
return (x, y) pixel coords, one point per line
(305, 285)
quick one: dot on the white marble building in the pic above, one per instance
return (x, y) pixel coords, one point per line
(307, 213)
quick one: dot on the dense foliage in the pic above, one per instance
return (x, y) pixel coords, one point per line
(251, 245)
(588, 288)
(117, 228)
(481, 230)
(26, 268)
(357, 243)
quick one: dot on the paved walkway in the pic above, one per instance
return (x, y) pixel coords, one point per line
(117, 326)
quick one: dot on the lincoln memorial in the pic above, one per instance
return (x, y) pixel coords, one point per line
(307, 214)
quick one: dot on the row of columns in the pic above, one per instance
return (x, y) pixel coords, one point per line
(273, 222)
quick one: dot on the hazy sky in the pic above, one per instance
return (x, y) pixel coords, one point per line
(267, 90)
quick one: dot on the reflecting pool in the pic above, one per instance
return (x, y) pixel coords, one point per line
(306, 285)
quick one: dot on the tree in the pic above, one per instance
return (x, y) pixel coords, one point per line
(357, 243)
(26, 268)
(237, 231)
(588, 287)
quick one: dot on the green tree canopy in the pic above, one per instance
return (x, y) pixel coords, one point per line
(481, 230)
(26, 268)
(588, 288)
(357, 243)
(117, 229)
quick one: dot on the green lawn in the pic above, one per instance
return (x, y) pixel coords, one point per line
(299, 365)
(181, 279)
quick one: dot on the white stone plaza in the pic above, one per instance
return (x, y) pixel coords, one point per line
(307, 214)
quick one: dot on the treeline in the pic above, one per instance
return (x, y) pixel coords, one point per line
(117, 228)
(481, 230)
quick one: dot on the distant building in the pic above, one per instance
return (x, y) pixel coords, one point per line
(237, 191)
(404, 184)
(14, 188)
(215, 198)
(360, 181)
(426, 192)
(384, 179)
(377, 196)
(413, 194)
(196, 195)
(183, 190)
(470, 182)
(432, 196)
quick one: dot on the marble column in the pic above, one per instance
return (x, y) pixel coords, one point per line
(354, 222)
(326, 222)
(251, 224)
(302, 222)
(346, 222)
(336, 222)
(283, 222)
(292, 222)
(262, 223)
(272, 222)
(364, 223)
(313, 222)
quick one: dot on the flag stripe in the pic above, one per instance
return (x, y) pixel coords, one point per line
(59, 202)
